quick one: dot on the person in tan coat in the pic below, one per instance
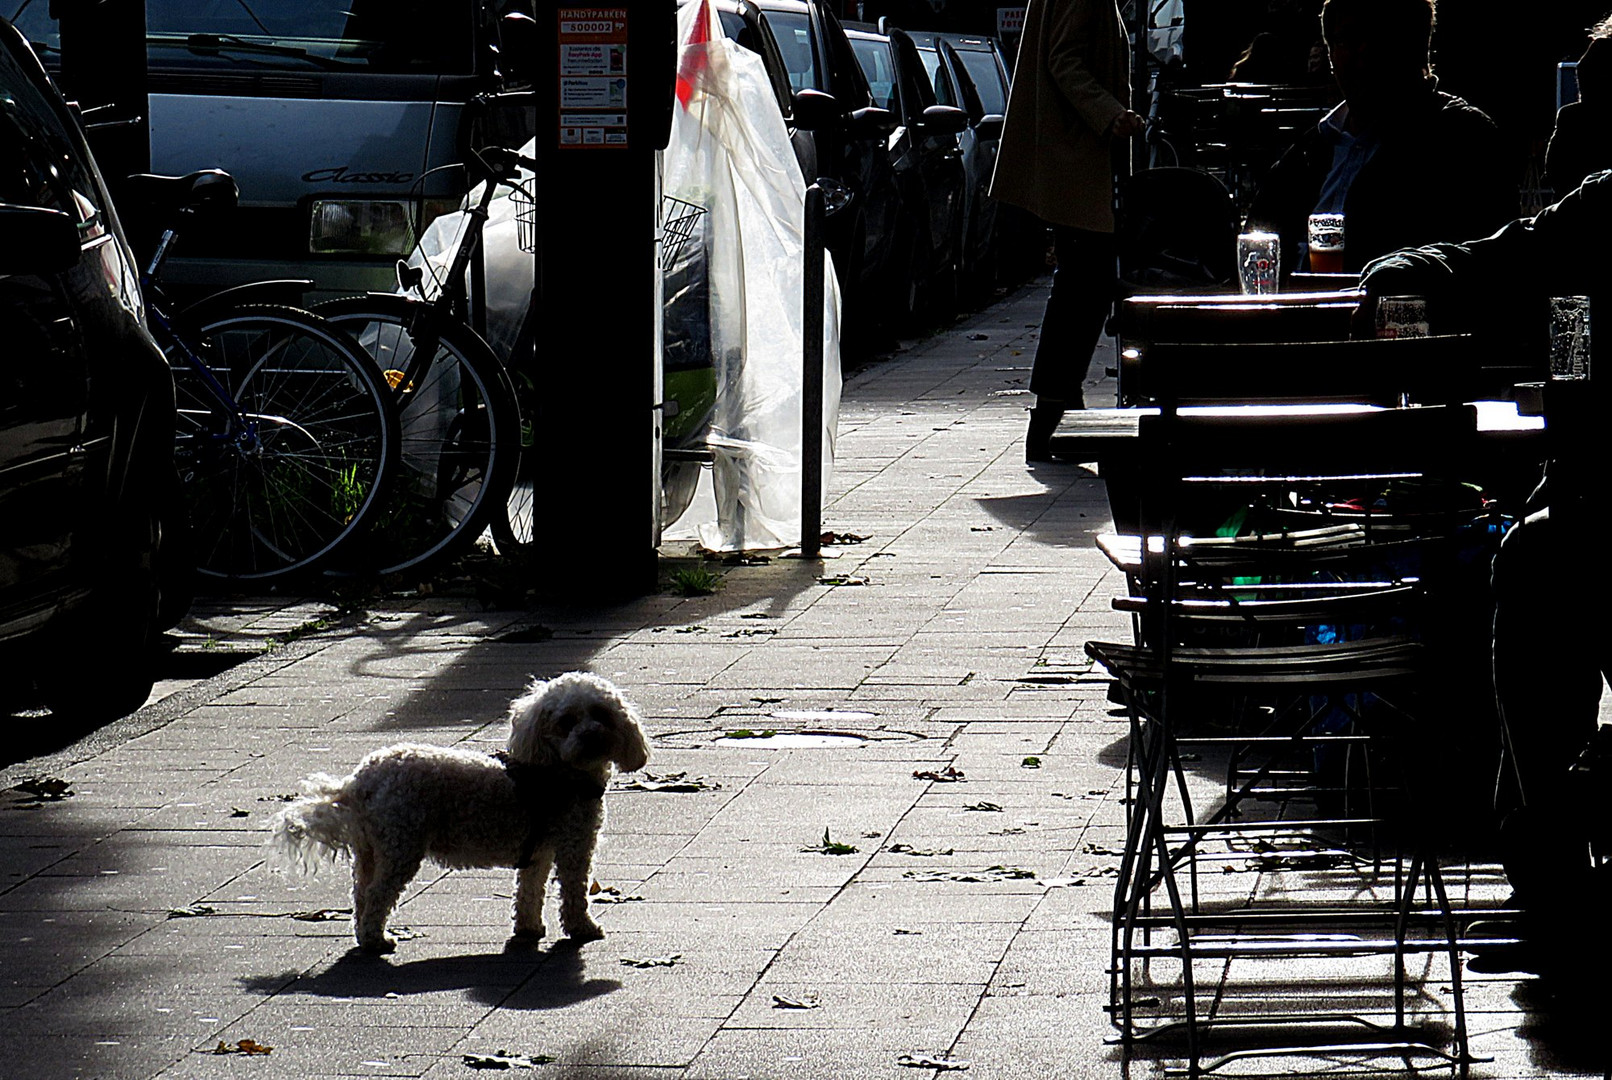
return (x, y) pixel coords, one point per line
(1068, 117)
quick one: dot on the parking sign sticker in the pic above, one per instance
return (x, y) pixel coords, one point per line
(593, 77)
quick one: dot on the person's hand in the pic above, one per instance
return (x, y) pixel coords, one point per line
(1127, 125)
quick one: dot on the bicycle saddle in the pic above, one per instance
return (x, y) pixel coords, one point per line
(205, 189)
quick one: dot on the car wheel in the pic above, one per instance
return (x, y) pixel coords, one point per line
(97, 663)
(906, 296)
(175, 556)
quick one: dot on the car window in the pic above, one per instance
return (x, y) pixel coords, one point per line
(431, 37)
(793, 32)
(945, 92)
(850, 85)
(879, 67)
(987, 76)
(756, 38)
(39, 165)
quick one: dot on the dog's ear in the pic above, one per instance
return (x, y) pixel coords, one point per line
(527, 720)
(632, 751)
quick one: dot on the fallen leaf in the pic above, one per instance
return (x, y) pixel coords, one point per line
(652, 961)
(842, 579)
(902, 931)
(506, 1060)
(979, 337)
(985, 807)
(994, 873)
(249, 1047)
(328, 914)
(236, 811)
(932, 1061)
(191, 912)
(746, 733)
(831, 847)
(829, 538)
(908, 849)
(805, 1001)
(948, 775)
(675, 782)
(1030, 763)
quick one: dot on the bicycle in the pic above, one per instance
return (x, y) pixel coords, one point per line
(286, 437)
(460, 424)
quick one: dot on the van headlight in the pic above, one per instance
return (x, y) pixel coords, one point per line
(361, 227)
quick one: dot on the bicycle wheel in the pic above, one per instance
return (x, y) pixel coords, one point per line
(283, 483)
(458, 433)
(514, 528)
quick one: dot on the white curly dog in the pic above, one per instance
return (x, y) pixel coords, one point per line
(535, 807)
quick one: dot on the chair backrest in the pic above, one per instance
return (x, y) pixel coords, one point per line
(1290, 443)
(1433, 370)
(1148, 318)
(1177, 227)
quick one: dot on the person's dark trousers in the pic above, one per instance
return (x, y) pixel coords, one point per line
(1083, 288)
(1551, 647)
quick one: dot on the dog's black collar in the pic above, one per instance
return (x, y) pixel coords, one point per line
(546, 791)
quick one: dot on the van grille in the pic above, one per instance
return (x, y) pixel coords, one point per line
(263, 85)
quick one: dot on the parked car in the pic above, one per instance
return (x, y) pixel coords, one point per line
(928, 164)
(839, 135)
(967, 72)
(88, 510)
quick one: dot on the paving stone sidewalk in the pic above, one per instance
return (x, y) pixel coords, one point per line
(909, 864)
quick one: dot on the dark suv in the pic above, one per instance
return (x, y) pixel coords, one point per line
(839, 134)
(928, 163)
(86, 420)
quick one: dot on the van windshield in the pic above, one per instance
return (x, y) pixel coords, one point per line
(384, 36)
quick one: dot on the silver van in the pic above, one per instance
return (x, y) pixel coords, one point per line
(339, 119)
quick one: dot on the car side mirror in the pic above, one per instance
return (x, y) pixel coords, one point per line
(815, 110)
(873, 121)
(945, 120)
(36, 240)
(517, 48)
(989, 126)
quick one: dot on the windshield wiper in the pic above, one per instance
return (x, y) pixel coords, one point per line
(211, 44)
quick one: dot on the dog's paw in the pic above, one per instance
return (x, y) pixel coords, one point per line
(584, 933)
(529, 933)
(378, 947)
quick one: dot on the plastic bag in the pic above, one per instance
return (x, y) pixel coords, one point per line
(730, 154)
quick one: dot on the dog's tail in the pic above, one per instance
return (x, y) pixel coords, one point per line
(315, 828)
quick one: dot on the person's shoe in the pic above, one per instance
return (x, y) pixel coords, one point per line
(1499, 946)
(1038, 439)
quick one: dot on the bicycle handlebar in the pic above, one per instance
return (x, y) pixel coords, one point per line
(502, 162)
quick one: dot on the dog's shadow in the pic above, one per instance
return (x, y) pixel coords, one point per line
(522, 977)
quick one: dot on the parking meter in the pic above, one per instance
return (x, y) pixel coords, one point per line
(605, 93)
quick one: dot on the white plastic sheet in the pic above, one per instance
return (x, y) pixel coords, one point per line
(730, 153)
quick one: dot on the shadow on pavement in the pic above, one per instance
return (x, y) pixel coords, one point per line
(552, 978)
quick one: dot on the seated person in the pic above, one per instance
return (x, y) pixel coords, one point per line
(1403, 162)
(1549, 658)
(1581, 143)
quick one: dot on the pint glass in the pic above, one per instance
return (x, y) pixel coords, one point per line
(1258, 259)
(1326, 243)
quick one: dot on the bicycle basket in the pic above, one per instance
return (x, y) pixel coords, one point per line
(525, 207)
(677, 221)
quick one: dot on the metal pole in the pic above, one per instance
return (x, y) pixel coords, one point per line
(811, 429)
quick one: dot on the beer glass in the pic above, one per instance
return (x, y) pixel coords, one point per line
(1258, 260)
(1326, 243)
